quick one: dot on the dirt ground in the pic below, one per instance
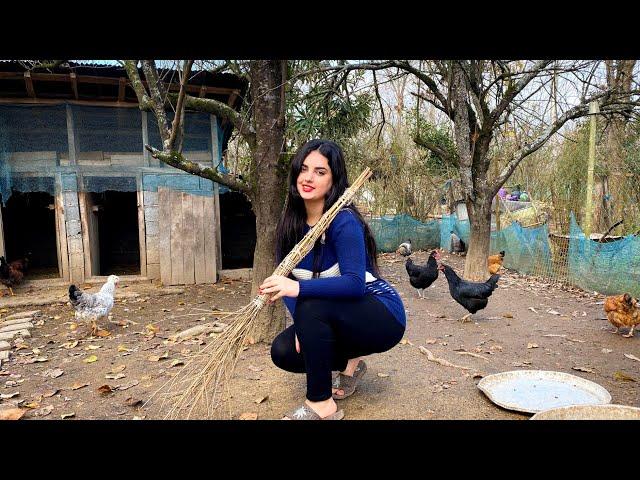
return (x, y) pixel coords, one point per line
(527, 325)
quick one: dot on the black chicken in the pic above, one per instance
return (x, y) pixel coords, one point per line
(422, 276)
(473, 296)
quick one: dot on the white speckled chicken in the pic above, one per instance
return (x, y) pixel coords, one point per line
(94, 306)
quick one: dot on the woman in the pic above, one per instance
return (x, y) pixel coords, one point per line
(341, 308)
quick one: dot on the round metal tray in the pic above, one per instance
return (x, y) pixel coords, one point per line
(590, 412)
(533, 391)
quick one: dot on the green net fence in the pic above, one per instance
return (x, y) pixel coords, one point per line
(611, 267)
(390, 231)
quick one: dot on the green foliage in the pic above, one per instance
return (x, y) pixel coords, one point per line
(423, 131)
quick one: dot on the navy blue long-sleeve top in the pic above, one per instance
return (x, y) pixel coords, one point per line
(345, 270)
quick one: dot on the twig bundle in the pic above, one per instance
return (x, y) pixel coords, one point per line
(197, 384)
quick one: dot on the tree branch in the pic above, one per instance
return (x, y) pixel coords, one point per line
(131, 67)
(177, 160)
(179, 105)
(514, 89)
(158, 101)
(221, 110)
(435, 149)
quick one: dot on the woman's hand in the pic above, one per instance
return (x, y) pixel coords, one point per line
(297, 343)
(282, 286)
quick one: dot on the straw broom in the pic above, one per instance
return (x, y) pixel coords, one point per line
(197, 384)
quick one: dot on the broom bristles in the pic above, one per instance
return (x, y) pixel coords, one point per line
(198, 382)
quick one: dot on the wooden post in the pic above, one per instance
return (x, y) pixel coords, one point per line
(145, 139)
(588, 206)
(2, 252)
(71, 136)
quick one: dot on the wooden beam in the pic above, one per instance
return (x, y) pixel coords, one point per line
(74, 85)
(121, 89)
(51, 101)
(29, 82)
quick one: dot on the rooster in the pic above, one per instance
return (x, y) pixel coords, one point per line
(473, 296)
(12, 273)
(494, 262)
(405, 248)
(93, 306)
(421, 277)
(622, 311)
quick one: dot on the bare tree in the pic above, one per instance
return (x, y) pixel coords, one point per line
(486, 99)
(261, 125)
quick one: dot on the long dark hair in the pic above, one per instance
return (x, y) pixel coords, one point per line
(290, 228)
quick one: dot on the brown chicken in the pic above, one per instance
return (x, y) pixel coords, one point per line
(622, 311)
(12, 273)
(494, 262)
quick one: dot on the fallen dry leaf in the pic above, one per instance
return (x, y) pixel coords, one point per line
(507, 315)
(132, 402)
(118, 369)
(78, 386)
(92, 347)
(122, 348)
(32, 405)
(125, 386)
(632, 357)
(44, 411)
(105, 389)
(261, 399)
(532, 345)
(50, 393)
(606, 350)
(430, 341)
(248, 416)
(151, 328)
(533, 310)
(157, 358)
(383, 375)
(114, 377)
(41, 359)
(12, 413)
(584, 369)
(90, 359)
(623, 377)
(103, 333)
(53, 373)
(67, 415)
(70, 344)
(176, 363)
(553, 312)
(6, 396)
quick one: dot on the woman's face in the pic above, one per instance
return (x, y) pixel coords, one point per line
(315, 179)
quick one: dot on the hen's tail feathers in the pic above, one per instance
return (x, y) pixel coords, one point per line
(74, 293)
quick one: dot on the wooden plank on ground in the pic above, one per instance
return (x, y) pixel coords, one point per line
(177, 250)
(188, 239)
(199, 222)
(209, 240)
(164, 204)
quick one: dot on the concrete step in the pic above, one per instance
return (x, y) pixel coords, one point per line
(18, 326)
(14, 333)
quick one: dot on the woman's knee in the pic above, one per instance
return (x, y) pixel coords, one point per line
(308, 309)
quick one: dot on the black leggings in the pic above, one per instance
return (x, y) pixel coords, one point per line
(332, 331)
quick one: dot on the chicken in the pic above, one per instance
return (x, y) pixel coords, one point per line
(421, 277)
(456, 245)
(494, 262)
(473, 296)
(93, 306)
(622, 311)
(405, 248)
(12, 273)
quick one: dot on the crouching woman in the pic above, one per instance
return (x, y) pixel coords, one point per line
(342, 309)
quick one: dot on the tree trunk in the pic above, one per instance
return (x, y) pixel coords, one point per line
(266, 81)
(475, 265)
